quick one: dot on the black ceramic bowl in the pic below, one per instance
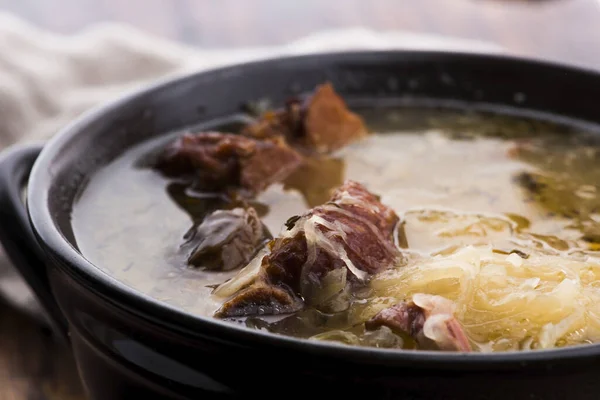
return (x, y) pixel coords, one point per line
(126, 343)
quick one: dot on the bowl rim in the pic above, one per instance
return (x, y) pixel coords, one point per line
(175, 319)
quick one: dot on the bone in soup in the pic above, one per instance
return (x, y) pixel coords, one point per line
(408, 228)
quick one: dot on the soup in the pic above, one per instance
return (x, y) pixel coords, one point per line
(436, 229)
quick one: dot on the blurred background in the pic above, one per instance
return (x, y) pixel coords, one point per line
(32, 366)
(557, 29)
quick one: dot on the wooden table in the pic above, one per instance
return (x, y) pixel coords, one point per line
(32, 366)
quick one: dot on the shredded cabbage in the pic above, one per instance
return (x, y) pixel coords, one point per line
(538, 298)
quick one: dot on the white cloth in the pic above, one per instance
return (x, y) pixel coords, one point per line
(46, 79)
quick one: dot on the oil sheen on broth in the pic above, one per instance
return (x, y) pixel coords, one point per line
(500, 216)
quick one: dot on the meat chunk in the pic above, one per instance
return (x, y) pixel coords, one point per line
(427, 319)
(219, 161)
(261, 298)
(321, 122)
(227, 239)
(341, 242)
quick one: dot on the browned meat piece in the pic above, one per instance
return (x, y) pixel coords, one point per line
(335, 244)
(227, 239)
(328, 124)
(260, 298)
(272, 162)
(427, 319)
(320, 123)
(218, 161)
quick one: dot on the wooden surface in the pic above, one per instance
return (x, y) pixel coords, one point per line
(31, 365)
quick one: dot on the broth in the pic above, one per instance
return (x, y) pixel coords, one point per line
(456, 178)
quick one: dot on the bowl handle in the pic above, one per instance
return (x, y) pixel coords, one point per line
(16, 234)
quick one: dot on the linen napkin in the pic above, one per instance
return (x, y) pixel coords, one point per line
(47, 80)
